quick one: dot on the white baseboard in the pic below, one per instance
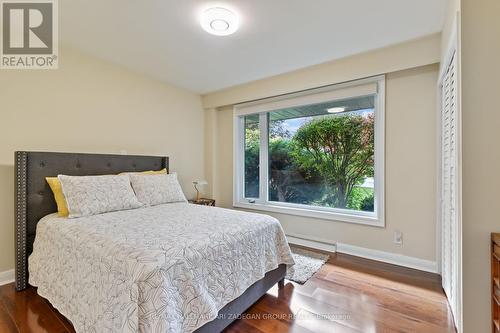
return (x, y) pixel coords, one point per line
(387, 257)
(6, 277)
(318, 244)
(391, 258)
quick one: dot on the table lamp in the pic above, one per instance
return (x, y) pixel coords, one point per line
(197, 183)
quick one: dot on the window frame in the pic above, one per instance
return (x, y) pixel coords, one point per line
(373, 86)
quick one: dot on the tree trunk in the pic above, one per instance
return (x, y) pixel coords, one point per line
(341, 195)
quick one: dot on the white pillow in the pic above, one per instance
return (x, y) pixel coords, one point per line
(154, 190)
(91, 195)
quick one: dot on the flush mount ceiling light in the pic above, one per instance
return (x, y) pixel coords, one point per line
(336, 110)
(219, 21)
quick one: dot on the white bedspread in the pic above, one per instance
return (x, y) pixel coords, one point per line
(168, 268)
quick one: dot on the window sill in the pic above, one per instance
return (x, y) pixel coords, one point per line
(313, 213)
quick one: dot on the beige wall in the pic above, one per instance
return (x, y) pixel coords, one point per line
(92, 106)
(414, 53)
(410, 171)
(481, 156)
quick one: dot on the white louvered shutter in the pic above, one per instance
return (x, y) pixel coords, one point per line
(449, 183)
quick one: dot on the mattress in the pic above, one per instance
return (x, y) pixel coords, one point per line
(167, 268)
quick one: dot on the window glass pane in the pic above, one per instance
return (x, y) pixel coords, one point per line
(252, 150)
(323, 154)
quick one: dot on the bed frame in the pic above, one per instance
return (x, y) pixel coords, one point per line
(34, 200)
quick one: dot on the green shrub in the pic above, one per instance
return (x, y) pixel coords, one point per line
(361, 199)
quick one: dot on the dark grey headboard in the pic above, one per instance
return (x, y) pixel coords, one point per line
(34, 198)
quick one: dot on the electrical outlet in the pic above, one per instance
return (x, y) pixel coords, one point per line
(398, 237)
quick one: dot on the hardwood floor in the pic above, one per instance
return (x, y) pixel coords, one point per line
(348, 294)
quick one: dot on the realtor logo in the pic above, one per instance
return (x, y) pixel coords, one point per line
(29, 34)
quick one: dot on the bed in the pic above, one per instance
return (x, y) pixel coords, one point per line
(175, 267)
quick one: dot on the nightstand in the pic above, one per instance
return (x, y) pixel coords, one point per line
(203, 202)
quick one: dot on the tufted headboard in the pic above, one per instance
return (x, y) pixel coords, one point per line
(34, 198)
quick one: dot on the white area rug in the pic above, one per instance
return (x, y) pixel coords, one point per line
(306, 264)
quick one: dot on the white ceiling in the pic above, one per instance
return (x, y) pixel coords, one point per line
(163, 39)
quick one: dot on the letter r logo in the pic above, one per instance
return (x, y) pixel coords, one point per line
(27, 28)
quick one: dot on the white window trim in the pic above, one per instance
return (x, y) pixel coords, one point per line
(358, 88)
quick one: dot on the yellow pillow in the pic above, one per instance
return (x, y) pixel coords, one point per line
(159, 172)
(55, 186)
(150, 172)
